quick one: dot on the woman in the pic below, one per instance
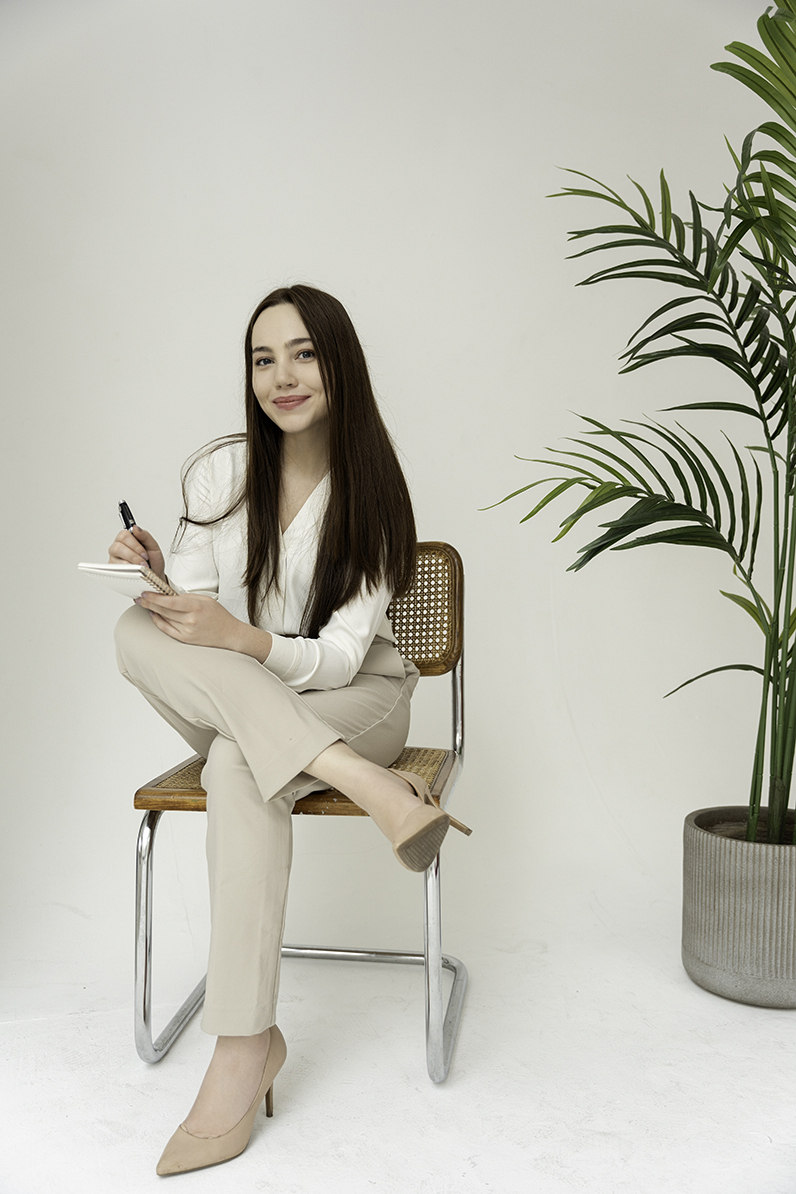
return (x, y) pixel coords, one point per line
(278, 665)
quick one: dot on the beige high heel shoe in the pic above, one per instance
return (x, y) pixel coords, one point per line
(184, 1151)
(424, 829)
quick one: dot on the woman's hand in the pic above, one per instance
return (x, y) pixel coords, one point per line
(200, 621)
(137, 546)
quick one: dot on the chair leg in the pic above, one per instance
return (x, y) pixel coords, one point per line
(441, 1027)
(442, 1024)
(148, 1050)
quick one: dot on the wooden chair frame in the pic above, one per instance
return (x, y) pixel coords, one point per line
(428, 625)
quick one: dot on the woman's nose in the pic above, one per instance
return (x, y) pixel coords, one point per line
(285, 375)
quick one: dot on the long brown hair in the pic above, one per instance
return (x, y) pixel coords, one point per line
(368, 534)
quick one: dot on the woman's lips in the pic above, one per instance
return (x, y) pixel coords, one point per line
(291, 402)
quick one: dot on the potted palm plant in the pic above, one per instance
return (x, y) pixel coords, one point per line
(728, 273)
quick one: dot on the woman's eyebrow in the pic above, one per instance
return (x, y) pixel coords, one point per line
(288, 344)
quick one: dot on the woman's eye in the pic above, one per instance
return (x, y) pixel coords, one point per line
(262, 361)
(306, 352)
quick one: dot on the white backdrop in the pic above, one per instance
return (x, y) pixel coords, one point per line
(165, 163)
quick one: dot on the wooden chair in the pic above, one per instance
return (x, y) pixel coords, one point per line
(428, 624)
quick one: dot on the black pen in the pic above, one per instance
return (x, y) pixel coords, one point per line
(126, 515)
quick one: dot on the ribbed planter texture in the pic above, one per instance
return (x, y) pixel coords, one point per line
(739, 909)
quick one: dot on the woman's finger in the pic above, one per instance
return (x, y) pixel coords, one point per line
(127, 549)
(163, 624)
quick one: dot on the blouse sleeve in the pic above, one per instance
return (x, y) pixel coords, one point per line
(333, 658)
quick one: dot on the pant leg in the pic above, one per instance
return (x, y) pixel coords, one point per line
(249, 840)
(249, 852)
(213, 691)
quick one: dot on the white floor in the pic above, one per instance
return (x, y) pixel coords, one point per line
(586, 1062)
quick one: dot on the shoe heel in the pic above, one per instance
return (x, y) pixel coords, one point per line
(269, 1101)
(459, 825)
(422, 790)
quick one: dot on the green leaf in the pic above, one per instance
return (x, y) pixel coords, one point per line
(776, 181)
(724, 356)
(673, 463)
(711, 488)
(744, 498)
(781, 80)
(696, 230)
(601, 496)
(560, 464)
(625, 440)
(749, 302)
(750, 608)
(664, 310)
(617, 272)
(764, 449)
(728, 667)
(756, 526)
(736, 406)
(624, 243)
(601, 464)
(728, 493)
(554, 493)
(767, 92)
(780, 42)
(710, 256)
(686, 454)
(647, 204)
(758, 325)
(682, 537)
(524, 489)
(666, 208)
(649, 510)
(780, 135)
(694, 321)
(625, 464)
(645, 512)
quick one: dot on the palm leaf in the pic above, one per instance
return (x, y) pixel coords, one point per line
(647, 511)
(727, 667)
(749, 607)
(610, 491)
(625, 439)
(554, 493)
(683, 537)
(769, 93)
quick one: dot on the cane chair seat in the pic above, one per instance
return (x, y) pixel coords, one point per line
(180, 790)
(428, 624)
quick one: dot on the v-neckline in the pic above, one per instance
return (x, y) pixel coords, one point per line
(302, 508)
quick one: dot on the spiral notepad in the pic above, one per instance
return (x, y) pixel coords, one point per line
(131, 580)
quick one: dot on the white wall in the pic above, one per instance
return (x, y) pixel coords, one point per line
(165, 163)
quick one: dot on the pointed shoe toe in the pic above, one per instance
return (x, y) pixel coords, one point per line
(185, 1152)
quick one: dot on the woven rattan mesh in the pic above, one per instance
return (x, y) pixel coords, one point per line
(427, 622)
(183, 790)
(186, 779)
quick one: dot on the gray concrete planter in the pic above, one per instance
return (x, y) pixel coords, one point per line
(739, 910)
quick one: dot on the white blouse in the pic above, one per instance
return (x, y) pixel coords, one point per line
(212, 560)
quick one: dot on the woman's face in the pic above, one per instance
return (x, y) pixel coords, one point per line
(286, 378)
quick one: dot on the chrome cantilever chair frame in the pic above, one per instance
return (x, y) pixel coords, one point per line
(180, 789)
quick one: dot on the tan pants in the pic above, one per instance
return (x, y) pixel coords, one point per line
(257, 735)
